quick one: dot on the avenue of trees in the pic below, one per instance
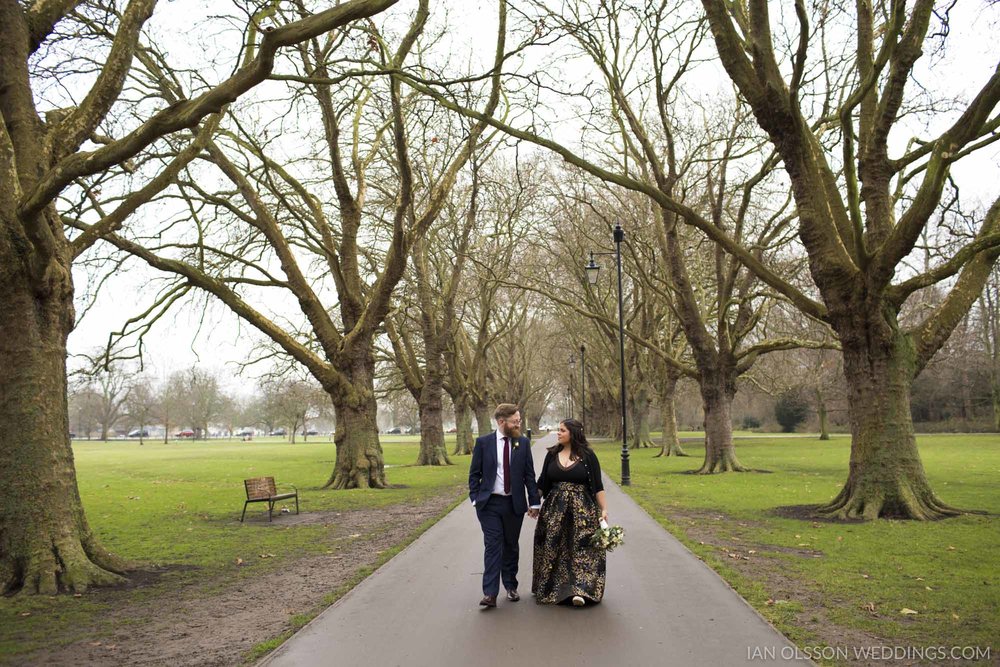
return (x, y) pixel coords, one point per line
(394, 218)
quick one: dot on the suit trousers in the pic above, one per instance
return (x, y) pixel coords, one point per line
(501, 531)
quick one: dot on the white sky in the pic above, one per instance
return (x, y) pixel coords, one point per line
(220, 341)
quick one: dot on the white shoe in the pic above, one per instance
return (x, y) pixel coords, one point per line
(578, 601)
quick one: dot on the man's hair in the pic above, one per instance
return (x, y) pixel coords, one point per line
(505, 410)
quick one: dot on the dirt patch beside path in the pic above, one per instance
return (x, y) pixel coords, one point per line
(217, 621)
(767, 564)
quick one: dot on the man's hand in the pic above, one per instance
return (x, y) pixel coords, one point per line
(533, 513)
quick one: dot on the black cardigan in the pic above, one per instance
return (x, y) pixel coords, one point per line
(590, 462)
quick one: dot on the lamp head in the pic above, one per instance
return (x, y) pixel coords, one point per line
(593, 270)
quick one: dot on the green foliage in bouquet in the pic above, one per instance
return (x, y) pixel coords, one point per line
(608, 537)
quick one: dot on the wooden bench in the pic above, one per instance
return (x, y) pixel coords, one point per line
(263, 490)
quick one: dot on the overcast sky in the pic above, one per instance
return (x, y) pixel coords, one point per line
(215, 338)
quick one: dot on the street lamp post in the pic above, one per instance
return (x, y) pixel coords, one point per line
(572, 381)
(583, 385)
(592, 272)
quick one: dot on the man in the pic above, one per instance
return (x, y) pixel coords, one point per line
(500, 474)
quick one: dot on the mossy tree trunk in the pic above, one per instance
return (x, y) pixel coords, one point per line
(359, 463)
(431, 405)
(886, 477)
(671, 444)
(824, 432)
(641, 403)
(46, 544)
(484, 423)
(464, 439)
(717, 392)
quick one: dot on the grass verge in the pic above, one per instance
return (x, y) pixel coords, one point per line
(825, 584)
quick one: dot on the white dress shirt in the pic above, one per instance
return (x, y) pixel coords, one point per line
(498, 484)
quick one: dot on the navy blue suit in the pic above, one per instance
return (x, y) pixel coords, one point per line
(501, 516)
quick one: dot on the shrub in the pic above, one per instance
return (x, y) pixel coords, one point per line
(790, 410)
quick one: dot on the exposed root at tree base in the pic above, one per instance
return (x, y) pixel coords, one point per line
(437, 458)
(356, 479)
(66, 565)
(899, 501)
(673, 449)
(724, 463)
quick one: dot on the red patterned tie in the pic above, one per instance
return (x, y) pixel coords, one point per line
(506, 465)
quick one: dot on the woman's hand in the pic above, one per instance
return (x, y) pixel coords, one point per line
(604, 515)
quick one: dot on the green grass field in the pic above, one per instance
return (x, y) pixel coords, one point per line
(179, 505)
(946, 571)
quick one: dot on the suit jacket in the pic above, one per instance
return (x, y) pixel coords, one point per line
(483, 472)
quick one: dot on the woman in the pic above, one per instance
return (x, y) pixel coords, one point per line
(567, 568)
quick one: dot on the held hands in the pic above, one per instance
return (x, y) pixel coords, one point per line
(533, 513)
(604, 515)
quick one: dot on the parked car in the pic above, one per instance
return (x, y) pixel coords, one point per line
(278, 431)
(395, 431)
(452, 430)
(311, 431)
(136, 433)
(245, 433)
(185, 433)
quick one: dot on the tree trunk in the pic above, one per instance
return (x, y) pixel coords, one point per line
(484, 421)
(463, 427)
(431, 405)
(359, 462)
(46, 544)
(995, 395)
(717, 394)
(671, 444)
(535, 422)
(824, 433)
(640, 420)
(886, 477)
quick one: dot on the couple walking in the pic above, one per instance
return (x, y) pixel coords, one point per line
(567, 568)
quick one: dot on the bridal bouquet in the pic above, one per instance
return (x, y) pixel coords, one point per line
(608, 537)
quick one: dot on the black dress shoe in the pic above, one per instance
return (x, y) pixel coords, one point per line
(488, 601)
(512, 595)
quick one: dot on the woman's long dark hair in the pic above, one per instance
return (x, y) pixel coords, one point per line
(578, 444)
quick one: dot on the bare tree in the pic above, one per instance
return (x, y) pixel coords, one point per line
(140, 405)
(43, 153)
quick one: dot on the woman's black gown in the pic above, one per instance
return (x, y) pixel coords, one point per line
(565, 563)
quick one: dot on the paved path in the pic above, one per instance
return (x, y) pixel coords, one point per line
(662, 606)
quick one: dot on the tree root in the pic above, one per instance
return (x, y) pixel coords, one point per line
(355, 478)
(672, 449)
(437, 457)
(65, 564)
(893, 500)
(721, 463)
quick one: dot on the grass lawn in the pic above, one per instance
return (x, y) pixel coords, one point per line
(838, 582)
(179, 505)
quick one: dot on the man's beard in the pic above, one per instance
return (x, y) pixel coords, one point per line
(513, 431)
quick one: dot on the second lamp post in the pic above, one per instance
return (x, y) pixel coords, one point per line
(593, 269)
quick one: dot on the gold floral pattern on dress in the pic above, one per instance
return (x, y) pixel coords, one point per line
(565, 561)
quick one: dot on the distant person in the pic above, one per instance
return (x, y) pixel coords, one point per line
(500, 475)
(567, 568)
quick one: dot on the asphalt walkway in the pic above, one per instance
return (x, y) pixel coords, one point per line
(662, 606)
